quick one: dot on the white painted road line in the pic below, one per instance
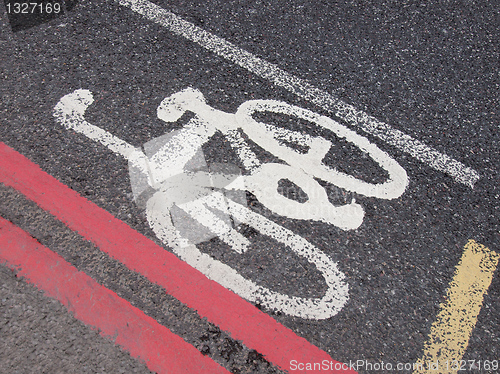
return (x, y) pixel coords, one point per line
(306, 90)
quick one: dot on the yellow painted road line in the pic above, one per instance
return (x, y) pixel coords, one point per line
(451, 331)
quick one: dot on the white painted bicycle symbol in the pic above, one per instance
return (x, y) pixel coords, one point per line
(203, 195)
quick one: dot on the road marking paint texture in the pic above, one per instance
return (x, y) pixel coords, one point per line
(451, 331)
(164, 171)
(133, 287)
(99, 307)
(225, 309)
(350, 249)
(304, 89)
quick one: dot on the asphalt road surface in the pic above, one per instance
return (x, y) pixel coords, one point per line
(294, 185)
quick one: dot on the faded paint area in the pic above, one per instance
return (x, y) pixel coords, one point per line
(304, 89)
(177, 190)
(99, 307)
(218, 305)
(451, 331)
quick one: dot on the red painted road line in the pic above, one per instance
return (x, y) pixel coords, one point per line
(230, 312)
(99, 307)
